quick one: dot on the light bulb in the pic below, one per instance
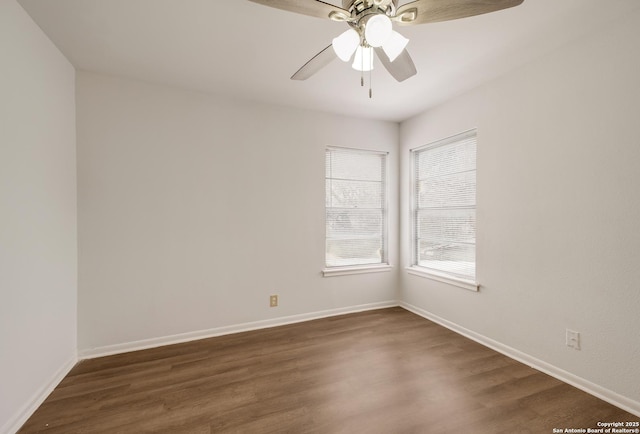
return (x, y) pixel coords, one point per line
(377, 30)
(363, 60)
(345, 44)
(395, 45)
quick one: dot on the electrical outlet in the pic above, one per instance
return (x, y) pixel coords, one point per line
(273, 301)
(573, 339)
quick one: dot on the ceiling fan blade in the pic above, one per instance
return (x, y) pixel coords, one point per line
(401, 68)
(314, 8)
(431, 11)
(314, 65)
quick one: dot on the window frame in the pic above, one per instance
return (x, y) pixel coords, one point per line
(414, 268)
(384, 265)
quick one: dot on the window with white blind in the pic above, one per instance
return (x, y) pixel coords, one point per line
(356, 209)
(444, 210)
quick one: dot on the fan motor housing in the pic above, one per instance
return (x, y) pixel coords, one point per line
(360, 7)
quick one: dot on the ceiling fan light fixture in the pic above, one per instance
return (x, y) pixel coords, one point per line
(377, 30)
(395, 45)
(372, 20)
(363, 60)
(346, 44)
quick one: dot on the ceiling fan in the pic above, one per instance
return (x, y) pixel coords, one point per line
(371, 29)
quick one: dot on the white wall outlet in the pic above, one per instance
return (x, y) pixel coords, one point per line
(573, 339)
(273, 301)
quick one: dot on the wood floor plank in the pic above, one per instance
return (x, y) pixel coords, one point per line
(384, 371)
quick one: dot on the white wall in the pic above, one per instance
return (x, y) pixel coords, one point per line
(558, 209)
(194, 209)
(38, 250)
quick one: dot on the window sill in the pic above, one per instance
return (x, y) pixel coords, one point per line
(358, 269)
(445, 278)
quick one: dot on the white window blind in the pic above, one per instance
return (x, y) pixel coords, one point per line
(356, 208)
(444, 206)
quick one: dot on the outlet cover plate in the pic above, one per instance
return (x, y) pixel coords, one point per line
(573, 339)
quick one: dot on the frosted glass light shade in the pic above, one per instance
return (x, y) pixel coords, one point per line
(377, 30)
(345, 44)
(363, 60)
(395, 45)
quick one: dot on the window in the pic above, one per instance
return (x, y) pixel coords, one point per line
(356, 210)
(444, 210)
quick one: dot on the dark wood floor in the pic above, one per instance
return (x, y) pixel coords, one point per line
(384, 371)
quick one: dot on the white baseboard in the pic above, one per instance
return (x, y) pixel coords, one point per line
(226, 330)
(607, 395)
(15, 423)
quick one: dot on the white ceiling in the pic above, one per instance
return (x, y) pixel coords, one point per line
(245, 50)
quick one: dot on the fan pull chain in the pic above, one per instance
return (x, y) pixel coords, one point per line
(371, 78)
(362, 69)
(370, 69)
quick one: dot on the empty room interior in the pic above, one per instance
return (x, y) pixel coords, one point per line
(370, 216)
